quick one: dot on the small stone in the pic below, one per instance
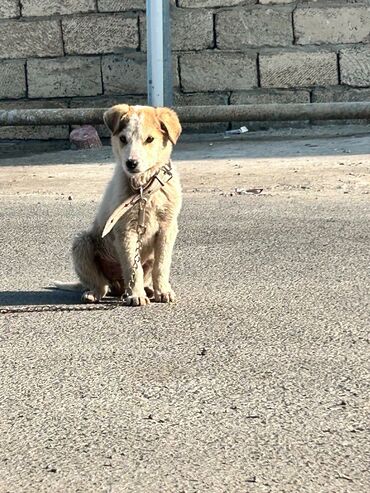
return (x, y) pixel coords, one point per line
(85, 137)
(70, 197)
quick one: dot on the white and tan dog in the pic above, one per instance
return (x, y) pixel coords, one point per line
(142, 141)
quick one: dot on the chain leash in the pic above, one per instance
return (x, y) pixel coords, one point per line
(140, 230)
(59, 308)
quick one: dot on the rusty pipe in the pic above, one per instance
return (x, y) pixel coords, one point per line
(198, 114)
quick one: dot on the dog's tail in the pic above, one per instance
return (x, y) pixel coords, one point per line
(68, 286)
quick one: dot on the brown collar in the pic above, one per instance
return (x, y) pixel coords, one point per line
(156, 182)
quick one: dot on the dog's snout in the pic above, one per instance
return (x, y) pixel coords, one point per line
(132, 164)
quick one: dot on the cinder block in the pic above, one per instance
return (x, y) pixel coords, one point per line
(123, 5)
(63, 77)
(12, 79)
(192, 29)
(127, 73)
(99, 33)
(337, 24)
(241, 28)
(27, 39)
(269, 96)
(124, 74)
(213, 3)
(339, 94)
(202, 99)
(355, 66)
(269, 2)
(9, 9)
(106, 102)
(218, 71)
(41, 132)
(51, 7)
(298, 68)
(120, 5)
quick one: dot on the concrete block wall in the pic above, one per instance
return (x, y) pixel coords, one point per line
(76, 53)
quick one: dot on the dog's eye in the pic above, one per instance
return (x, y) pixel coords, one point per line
(149, 140)
(123, 139)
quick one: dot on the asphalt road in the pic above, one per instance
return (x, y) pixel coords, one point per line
(256, 381)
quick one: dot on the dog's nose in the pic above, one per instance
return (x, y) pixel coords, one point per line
(132, 164)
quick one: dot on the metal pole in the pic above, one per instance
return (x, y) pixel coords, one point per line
(193, 114)
(159, 72)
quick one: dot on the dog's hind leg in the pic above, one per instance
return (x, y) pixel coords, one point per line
(87, 269)
(148, 281)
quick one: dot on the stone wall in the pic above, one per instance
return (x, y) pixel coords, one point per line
(76, 53)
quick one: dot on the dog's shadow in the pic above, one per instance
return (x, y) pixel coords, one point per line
(47, 296)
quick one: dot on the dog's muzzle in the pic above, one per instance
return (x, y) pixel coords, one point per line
(132, 165)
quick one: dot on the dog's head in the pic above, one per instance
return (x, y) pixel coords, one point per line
(142, 136)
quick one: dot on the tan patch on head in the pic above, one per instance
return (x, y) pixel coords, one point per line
(116, 118)
(153, 120)
(151, 125)
(170, 123)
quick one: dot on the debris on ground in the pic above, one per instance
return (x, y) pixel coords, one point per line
(242, 191)
(245, 191)
(238, 131)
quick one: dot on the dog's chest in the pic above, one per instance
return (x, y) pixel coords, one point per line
(157, 214)
(156, 217)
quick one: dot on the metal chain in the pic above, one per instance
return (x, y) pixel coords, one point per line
(56, 308)
(140, 230)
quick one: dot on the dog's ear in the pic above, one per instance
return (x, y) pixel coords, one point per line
(115, 117)
(170, 123)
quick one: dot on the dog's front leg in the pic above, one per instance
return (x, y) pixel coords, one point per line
(164, 244)
(132, 270)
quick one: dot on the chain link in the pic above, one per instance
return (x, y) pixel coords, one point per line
(57, 308)
(140, 230)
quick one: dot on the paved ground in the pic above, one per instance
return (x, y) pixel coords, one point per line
(256, 381)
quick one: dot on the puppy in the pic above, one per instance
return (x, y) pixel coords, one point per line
(142, 141)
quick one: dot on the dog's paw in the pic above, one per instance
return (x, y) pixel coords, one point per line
(136, 301)
(90, 297)
(149, 292)
(164, 297)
